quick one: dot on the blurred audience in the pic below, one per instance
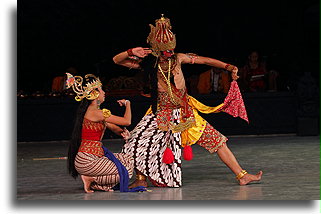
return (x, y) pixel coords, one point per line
(253, 74)
(58, 82)
(214, 80)
(192, 83)
(273, 75)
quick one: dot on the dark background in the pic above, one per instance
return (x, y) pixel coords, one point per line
(54, 35)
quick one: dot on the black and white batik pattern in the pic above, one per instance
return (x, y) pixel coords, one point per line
(147, 145)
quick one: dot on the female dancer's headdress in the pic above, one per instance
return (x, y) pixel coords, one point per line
(84, 91)
(161, 38)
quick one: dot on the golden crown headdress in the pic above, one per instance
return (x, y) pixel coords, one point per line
(84, 91)
(161, 38)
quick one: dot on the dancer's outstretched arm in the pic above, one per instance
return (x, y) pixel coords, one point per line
(195, 59)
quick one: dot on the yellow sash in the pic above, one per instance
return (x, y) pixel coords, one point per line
(193, 134)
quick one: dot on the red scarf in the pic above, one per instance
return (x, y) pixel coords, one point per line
(233, 103)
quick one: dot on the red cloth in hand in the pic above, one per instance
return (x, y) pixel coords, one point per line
(233, 103)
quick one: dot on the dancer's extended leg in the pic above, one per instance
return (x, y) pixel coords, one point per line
(229, 159)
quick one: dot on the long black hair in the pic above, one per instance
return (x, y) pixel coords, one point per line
(76, 137)
(149, 66)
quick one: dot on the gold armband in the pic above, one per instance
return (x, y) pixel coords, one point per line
(192, 56)
(106, 113)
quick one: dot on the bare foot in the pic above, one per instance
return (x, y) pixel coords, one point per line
(248, 178)
(137, 183)
(87, 182)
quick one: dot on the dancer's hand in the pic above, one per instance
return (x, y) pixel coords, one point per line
(234, 73)
(141, 52)
(125, 134)
(123, 102)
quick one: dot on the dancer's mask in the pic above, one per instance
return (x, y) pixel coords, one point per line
(161, 38)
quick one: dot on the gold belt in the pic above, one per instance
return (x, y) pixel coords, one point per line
(91, 147)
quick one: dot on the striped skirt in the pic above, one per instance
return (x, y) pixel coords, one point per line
(102, 168)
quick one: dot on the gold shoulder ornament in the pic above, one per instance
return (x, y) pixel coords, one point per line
(106, 113)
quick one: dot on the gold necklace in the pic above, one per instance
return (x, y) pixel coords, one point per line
(164, 62)
(168, 80)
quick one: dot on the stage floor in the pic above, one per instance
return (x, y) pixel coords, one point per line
(290, 164)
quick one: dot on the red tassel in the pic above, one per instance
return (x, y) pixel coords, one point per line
(188, 153)
(168, 156)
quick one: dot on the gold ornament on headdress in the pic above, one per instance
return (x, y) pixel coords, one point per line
(87, 91)
(161, 38)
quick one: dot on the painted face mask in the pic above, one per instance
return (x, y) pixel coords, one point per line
(168, 53)
(161, 38)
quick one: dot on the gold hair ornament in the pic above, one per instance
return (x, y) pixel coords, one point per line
(84, 91)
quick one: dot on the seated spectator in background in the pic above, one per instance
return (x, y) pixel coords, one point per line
(215, 80)
(58, 82)
(253, 74)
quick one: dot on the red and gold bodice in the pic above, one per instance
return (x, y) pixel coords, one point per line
(92, 133)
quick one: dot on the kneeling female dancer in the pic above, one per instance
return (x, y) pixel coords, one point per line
(99, 168)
